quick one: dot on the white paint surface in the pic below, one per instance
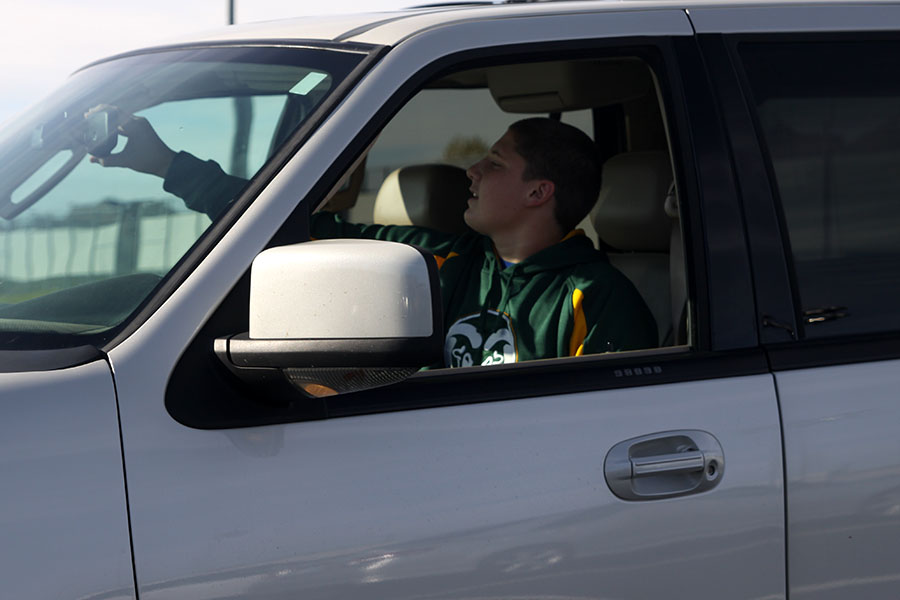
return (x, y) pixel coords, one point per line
(334, 289)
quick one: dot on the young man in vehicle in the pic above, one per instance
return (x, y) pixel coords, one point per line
(522, 285)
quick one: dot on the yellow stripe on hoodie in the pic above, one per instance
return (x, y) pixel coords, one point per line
(579, 330)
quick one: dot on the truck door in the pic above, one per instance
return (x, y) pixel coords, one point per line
(813, 120)
(483, 482)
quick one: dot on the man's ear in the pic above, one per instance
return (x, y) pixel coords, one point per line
(542, 191)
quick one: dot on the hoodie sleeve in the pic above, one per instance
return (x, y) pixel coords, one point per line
(324, 225)
(206, 188)
(203, 185)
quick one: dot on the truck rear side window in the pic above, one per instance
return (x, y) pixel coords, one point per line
(829, 116)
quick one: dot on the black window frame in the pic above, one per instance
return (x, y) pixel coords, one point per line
(201, 393)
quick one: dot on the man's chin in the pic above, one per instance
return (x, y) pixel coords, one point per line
(470, 219)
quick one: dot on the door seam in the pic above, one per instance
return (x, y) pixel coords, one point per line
(784, 479)
(112, 373)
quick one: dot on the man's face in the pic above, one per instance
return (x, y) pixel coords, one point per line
(498, 191)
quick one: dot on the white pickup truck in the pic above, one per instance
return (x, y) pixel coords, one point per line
(172, 429)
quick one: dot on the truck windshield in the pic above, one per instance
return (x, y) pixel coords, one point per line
(87, 230)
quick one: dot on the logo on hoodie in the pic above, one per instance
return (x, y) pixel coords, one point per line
(480, 340)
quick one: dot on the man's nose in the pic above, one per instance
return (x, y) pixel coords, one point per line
(474, 171)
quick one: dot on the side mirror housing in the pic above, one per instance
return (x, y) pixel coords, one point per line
(338, 316)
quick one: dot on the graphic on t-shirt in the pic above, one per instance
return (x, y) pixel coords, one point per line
(466, 345)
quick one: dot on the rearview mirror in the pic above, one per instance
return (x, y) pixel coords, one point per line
(100, 133)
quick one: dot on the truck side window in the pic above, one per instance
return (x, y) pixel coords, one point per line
(452, 122)
(829, 116)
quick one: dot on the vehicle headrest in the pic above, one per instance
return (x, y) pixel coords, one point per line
(630, 212)
(433, 196)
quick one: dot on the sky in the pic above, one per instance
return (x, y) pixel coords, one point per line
(43, 41)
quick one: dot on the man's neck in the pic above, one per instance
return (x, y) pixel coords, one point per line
(518, 247)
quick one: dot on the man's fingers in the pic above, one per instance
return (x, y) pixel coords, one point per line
(112, 160)
(126, 128)
(134, 125)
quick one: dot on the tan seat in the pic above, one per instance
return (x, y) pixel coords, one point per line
(431, 196)
(631, 221)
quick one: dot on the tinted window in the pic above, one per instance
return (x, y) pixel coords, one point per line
(829, 114)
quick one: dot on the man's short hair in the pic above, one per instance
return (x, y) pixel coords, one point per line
(564, 155)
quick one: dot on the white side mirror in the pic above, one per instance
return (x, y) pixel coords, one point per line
(340, 289)
(337, 316)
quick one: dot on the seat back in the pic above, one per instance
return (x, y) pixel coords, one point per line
(433, 196)
(631, 221)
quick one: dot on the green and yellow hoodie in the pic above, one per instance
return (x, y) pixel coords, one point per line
(566, 300)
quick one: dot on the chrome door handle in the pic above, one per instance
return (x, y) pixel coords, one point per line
(665, 464)
(679, 462)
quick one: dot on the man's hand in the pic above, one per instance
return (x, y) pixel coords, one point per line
(144, 151)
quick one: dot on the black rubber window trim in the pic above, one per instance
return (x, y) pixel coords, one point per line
(22, 361)
(545, 378)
